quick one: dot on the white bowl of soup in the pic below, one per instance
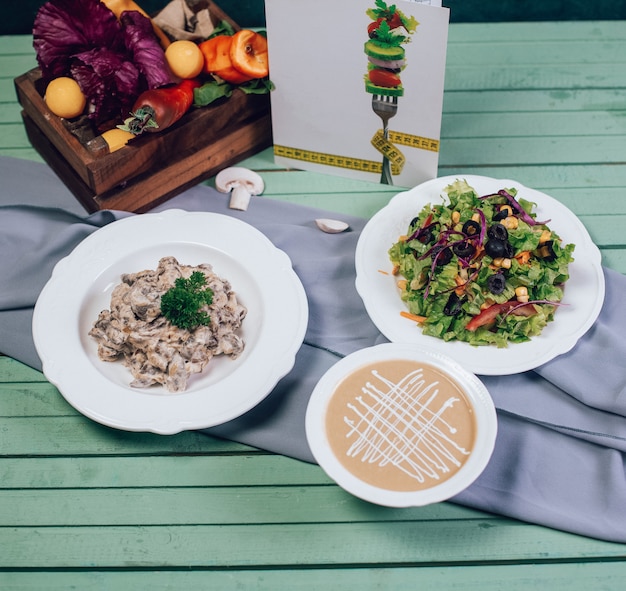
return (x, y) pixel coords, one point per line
(400, 425)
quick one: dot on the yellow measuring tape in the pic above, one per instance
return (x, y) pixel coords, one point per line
(414, 141)
(328, 159)
(387, 149)
(396, 158)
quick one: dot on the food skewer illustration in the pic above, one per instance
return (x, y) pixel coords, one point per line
(389, 30)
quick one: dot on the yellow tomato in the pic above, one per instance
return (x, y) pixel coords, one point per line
(184, 58)
(65, 98)
(117, 138)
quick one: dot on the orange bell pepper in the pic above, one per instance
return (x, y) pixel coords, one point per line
(217, 59)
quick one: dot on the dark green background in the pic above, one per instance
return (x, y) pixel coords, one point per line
(19, 16)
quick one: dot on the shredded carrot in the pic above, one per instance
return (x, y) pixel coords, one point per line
(461, 284)
(523, 257)
(383, 272)
(395, 270)
(414, 317)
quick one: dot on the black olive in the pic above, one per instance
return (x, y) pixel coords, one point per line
(509, 251)
(463, 249)
(471, 228)
(498, 232)
(425, 236)
(442, 255)
(453, 305)
(500, 215)
(495, 248)
(413, 222)
(496, 283)
(546, 251)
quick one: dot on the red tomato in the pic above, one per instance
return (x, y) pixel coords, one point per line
(371, 29)
(395, 21)
(384, 78)
(488, 315)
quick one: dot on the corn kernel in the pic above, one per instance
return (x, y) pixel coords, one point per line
(487, 304)
(476, 217)
(510, 222)
(521, 294)
(416, 283)
(456, 217)
(545, 236)
(401, 284)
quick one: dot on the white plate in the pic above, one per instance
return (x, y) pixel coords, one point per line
(584, 292)
(485, 419)
(81, 286)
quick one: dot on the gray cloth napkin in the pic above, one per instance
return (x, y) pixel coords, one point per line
(560, 454)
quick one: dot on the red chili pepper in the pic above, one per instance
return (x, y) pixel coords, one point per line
(159, 108)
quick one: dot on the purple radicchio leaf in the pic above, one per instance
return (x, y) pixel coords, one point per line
(113, 83)
(145, 49)
(64, 28)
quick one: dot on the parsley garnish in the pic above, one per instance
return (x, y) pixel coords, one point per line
(182, 304)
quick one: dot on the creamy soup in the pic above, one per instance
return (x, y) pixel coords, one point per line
(400, 425)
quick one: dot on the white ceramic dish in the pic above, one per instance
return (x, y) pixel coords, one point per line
(81, 286)
(474, 391)
(584, 292)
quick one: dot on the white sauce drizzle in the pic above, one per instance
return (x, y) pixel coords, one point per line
(403, 425)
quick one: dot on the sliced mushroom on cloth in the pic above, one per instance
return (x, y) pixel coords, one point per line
(331, 226)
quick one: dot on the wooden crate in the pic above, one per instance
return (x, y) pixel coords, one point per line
(153, 167)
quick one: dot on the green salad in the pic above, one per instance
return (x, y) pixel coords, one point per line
(481, 269)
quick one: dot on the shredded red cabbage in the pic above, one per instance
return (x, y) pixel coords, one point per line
(483, 226)
(521, 212)
(515, 307)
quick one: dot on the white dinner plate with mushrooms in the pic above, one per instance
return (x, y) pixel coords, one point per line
(583, 292)
(81, 285)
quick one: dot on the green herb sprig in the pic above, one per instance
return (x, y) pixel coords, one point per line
(182, 304)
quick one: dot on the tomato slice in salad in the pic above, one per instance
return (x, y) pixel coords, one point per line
(489, 315)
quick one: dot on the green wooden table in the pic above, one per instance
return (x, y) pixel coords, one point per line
(83, 506)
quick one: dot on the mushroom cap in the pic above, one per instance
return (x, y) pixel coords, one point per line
(237, 176)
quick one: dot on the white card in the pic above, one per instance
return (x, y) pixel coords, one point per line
(322, 115)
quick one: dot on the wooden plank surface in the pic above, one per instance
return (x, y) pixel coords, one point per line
(87, 507)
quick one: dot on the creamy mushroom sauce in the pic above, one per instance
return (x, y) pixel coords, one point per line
(157, 352)
(400, 425)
